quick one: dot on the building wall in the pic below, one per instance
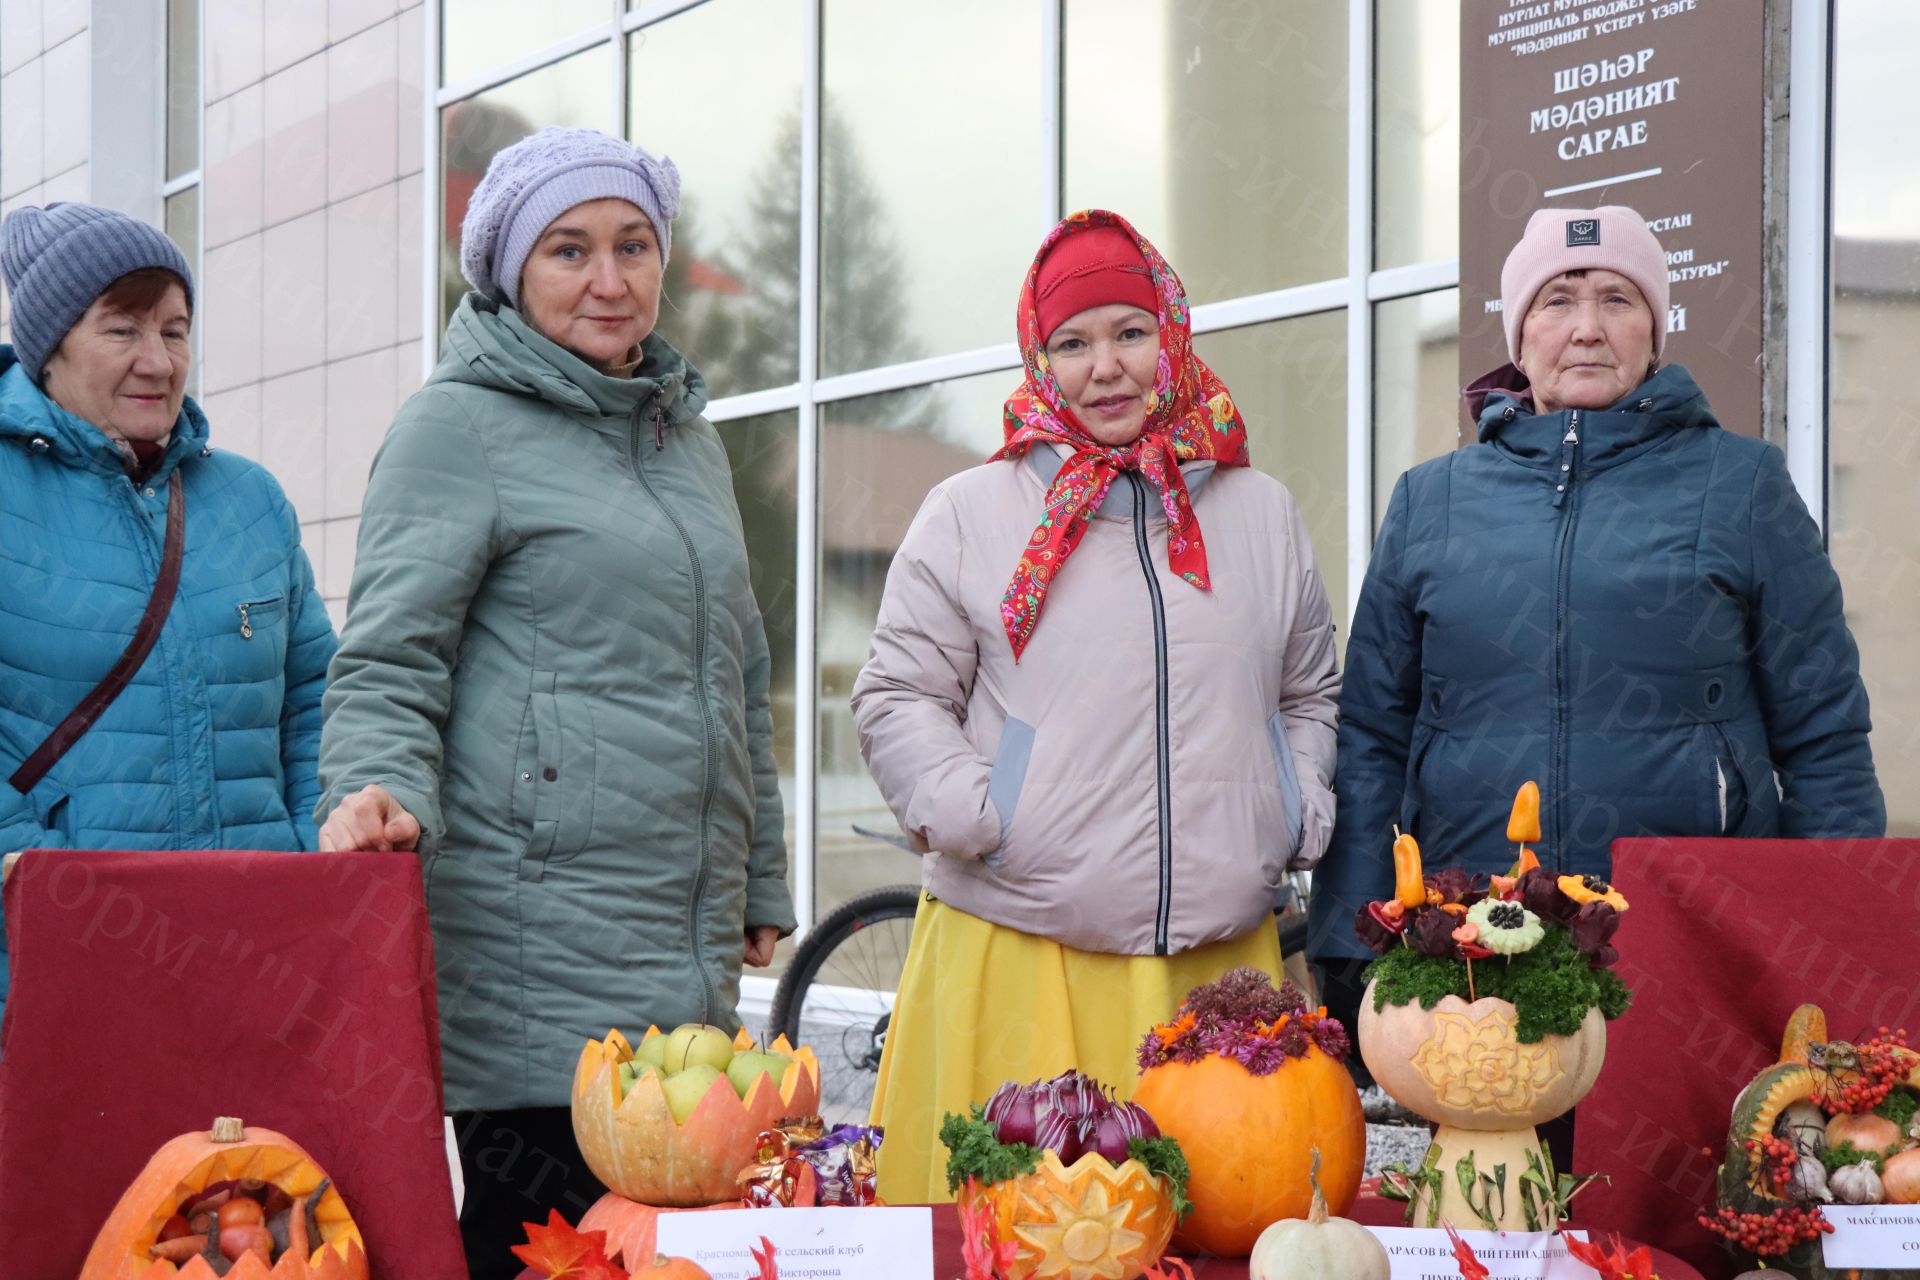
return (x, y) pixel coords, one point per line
(310, 271)
(45, 104)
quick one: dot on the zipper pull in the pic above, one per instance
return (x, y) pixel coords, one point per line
(659, 429)
(246, 626)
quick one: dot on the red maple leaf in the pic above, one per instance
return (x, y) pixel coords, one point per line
(561, 1253)
(1614, 1264)
(1470, 1268)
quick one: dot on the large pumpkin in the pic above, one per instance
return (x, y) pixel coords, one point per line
(635, 1146)
(1249, 1142)
(193, 1164)
(1090, 1219)
(1461, 1064)
(631, 1227)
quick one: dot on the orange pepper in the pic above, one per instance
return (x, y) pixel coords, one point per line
(1409, 887)
(1523, 825)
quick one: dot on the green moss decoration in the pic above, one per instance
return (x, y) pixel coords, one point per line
(1550, 987)
(1846, 1153)
(1163, 1158)
(1899, 1107)
(973, 1152)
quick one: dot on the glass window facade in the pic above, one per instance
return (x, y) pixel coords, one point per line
(932, 176)
(1219, 130)
(732, 293)
(1416, 131)
(1874, 437)
(478, 35)
(183, 87)
(1417, 410)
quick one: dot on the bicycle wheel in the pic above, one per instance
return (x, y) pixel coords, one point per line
(837, 994)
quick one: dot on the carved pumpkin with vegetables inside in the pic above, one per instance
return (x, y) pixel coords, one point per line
(240, 1203)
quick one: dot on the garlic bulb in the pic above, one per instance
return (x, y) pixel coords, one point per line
(1809, 1181)
(1856, 1184)
(1805, 1125)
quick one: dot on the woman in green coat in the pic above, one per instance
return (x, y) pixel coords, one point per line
(553, 677)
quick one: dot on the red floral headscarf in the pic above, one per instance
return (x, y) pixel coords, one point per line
(1191, 416)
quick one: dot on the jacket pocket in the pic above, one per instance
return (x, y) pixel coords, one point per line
(1009, 778)
(558, 778)
(53, 810)
(1411, 806)
(1296, 814)
(1727, 788)
(255, 615)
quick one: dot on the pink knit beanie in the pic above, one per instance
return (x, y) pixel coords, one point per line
(1612, 238)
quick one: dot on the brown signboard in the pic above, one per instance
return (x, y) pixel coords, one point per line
(1654, 104)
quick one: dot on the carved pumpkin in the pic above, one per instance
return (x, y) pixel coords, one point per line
(1248, 1140)
(1090, 1219)
(631, 1228)
(635, 1146)
(187, 1167)
(1460, 1064)
(1318, 1247)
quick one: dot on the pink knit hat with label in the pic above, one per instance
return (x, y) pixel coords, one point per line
(1611, 238)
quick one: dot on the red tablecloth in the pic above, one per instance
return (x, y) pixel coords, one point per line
(1722, 939)
(154, 991)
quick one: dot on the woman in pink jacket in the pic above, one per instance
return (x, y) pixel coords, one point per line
(1110, 736)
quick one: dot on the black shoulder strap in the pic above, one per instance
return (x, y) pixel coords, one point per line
(145, 636)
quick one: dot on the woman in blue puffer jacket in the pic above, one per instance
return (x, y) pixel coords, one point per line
(1608, 594)
(212, 743)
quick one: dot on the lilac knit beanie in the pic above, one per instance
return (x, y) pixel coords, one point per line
(534, 181)
(1610, 238)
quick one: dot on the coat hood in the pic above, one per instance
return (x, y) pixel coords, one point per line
(1668, 401)
(490, 345)
(27, 414)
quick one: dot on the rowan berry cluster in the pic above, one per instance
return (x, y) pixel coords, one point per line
(1768, 1235)
(1881, 1063)
(1775, 1156)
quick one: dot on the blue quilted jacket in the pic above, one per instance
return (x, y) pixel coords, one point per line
(213, 744)
(1631, 607)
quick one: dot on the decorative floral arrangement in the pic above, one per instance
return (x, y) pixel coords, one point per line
(1543, 941)
(1244, 1018)
(1059, 1179)
(1068, 1115)
(1831, 1122)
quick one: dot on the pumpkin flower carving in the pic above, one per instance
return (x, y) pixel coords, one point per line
(1505, 928)
(1477, 1063)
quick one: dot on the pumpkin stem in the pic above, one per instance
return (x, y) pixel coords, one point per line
(1317, 1214)
(227, 1129)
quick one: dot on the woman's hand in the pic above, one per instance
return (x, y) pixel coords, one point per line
(759, 949)
(370, 819)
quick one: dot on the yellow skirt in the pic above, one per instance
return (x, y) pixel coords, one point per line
(981, 1004)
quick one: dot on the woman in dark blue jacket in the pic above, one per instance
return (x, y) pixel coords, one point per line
(1608, 594)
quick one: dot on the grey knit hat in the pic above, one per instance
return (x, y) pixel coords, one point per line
(58, 259)
(534, 181)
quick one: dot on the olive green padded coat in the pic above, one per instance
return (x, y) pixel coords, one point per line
(553, 659)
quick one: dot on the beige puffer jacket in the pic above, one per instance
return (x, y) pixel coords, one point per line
(1142, 779)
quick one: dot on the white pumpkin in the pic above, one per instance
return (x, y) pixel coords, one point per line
(1318, 1247)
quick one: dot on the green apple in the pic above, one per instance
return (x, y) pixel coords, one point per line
(626, 1078)
(684, 1089)
(696, 1044)
(651, 1051)
(749, 1065)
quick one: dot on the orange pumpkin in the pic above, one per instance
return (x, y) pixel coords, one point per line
(664, 1268)
(1090, 1219)
(631, 1227)
(635, 1146)
(1249, 1142)
(189, 1164)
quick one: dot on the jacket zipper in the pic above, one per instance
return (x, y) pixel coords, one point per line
(1164, 911)
(1563, 554)
(707, 1000)
(246, 624)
